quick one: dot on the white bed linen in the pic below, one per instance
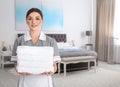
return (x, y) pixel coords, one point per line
(34, 60)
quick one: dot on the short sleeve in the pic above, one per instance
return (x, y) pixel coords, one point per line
(56, 52)
(13, 57)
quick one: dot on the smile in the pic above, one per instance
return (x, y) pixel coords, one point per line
(33, 25)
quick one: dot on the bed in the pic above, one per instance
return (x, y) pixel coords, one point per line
(73, 58)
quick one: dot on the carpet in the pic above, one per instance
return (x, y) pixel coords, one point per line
(99, 78)
(8, 79)
(93, 78)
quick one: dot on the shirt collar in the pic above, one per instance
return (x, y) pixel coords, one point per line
(28, 37)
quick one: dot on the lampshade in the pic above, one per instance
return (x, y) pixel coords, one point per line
(88, 33)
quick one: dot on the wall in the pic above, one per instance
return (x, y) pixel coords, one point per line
(77, 19)
(117, 19)
(93, 22)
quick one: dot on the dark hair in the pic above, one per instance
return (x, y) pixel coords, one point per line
(34, 10)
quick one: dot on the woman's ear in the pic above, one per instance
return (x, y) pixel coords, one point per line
(41, 22)
(26, 21)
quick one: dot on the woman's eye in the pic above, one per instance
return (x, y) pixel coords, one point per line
(37, 18)
(29, 18)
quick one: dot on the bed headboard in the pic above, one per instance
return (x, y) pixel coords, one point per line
(20, 34)
(58, 37)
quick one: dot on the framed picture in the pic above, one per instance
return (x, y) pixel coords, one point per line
(52, 14)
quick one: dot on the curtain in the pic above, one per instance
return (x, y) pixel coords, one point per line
(104, 30)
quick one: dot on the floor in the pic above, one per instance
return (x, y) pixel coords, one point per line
(114, 67)
(10, 79)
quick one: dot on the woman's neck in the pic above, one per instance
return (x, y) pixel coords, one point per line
(35, 36)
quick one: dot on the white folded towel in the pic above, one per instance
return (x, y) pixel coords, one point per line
(34, 60)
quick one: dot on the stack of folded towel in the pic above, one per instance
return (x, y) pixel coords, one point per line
(34, 60)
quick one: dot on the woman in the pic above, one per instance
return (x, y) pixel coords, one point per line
(35, 37)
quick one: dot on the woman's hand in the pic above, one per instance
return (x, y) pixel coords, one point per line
(48, 73)
(45, 73)
(21, 73)
(24, 73)
(51, 73)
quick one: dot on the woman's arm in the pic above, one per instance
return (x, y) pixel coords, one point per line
(55, 66)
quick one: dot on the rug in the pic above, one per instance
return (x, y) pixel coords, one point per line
(86, 78)
(12, 71)
(99, 78)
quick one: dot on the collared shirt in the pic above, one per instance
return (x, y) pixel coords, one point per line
(35, 80)
(28, 37)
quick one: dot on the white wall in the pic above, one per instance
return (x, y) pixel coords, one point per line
(93, 22)
(117, 19)
(77, 19)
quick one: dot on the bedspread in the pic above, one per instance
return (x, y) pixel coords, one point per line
(76, 52)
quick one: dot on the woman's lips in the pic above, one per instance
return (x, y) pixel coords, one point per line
(34, 26)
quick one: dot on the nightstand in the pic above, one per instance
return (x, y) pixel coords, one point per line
(3, 55)
(89, 46)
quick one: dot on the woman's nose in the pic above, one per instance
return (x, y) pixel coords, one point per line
(33, 21)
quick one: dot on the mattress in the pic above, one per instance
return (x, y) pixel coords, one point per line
(76, 52)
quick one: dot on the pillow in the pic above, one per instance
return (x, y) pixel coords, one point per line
(60, 44)
(63, 45)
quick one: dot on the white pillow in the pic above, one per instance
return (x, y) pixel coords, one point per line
(62, 45)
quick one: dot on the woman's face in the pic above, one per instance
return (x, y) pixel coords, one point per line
(34, 21)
